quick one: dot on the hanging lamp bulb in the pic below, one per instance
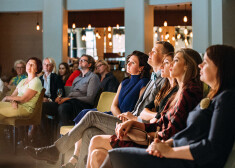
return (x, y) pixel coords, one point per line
(117, 26)
(37, 27)
(89, 26)
(178, 36)
(110, 43)
(109, 28)
(155, 34)
(165, 23)
(83, 37)
(97, 33)
(191, 34)
(186, 42)
(74, 26)
(185, 31)
(160, 29)
(185, 19)
(109, 35)
(173, 38)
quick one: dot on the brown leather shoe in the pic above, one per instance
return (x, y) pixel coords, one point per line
(48, 153)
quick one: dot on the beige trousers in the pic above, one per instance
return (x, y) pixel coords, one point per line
(6, 110)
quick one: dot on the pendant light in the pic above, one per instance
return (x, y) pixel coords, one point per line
(165, 22)
(89, 26)
(37, 26)
(117, 26)
(185, 19)
(73, 25)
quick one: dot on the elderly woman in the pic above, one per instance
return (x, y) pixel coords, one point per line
(24, 98)
(19, 66)
(207, 140)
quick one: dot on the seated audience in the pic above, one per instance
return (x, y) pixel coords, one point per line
(109, 83)
(184, 68)
(207, 139)
(23, 99)
(64, 72)
(50, 81)
(96, 123)
(19, 66)
(128, 92)
(83, 92)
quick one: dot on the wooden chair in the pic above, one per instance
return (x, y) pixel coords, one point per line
(33, 119)
(104, 104)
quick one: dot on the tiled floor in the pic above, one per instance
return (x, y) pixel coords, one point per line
(21, 160)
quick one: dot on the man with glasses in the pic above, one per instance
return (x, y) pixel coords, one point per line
(82, 93)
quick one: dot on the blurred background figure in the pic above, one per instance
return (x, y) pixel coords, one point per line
(19, 67)
(109, 83)
(64, 72)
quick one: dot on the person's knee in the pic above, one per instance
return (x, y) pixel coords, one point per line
(98, 156)
(94, 142)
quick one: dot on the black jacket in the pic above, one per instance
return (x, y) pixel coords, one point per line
(55, 84)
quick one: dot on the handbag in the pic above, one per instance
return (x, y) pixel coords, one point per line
(138, 136)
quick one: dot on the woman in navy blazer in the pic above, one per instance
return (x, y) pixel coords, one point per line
(209, 136)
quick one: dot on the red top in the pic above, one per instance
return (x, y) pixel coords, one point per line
(75, 74)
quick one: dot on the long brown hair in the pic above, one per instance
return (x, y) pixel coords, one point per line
(223, 56)
(166, 88)
(192, 60)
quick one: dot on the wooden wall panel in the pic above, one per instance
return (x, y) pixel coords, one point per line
(19, 38)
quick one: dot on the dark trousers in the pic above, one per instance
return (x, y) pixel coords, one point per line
(62, 114)
(139, 158)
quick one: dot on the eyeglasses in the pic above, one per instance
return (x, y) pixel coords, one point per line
(19, 67)
(99, 66)
(82, 60)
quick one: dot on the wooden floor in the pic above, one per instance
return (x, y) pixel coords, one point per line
(19, 160)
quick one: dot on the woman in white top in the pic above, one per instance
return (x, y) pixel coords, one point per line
(23, 99)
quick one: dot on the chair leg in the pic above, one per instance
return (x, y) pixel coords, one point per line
(26, 128)
(15, 138)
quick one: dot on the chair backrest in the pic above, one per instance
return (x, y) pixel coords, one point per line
(105, 101)
(35, 117)
(11, 90)
(231, 161)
